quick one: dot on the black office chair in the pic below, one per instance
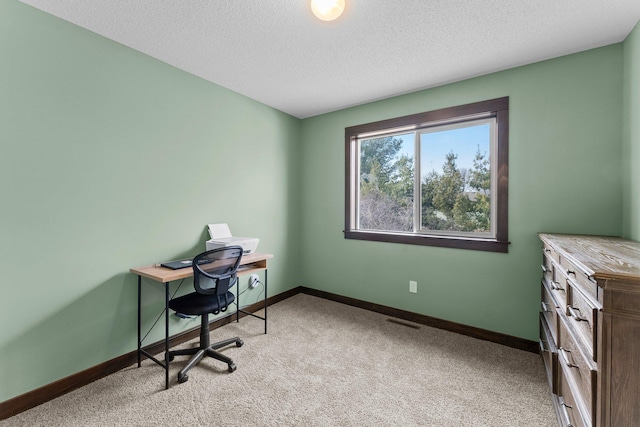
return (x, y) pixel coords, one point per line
(214, 272)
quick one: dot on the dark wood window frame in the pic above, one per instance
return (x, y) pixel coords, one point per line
(498, 108)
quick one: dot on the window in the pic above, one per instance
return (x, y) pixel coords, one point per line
(438, 178)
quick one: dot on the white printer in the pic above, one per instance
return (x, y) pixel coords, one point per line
(221, 237)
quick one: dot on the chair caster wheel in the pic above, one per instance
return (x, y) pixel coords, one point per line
(239, 343)
(170, 357)
(183, 378)
(232, 367)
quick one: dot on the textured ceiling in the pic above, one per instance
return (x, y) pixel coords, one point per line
(277, 52)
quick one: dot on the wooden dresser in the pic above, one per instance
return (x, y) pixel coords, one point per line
(590, 328)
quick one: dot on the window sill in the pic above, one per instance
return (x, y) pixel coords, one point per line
(488, 245)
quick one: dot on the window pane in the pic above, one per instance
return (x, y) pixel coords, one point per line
(386, 188)
(455, 179)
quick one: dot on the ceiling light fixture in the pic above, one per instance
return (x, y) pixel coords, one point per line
(327, 10)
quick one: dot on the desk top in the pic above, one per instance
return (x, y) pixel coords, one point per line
(164, 275)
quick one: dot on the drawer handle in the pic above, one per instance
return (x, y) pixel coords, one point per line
(556, 286)
(547, 250)
(545, 268)
(575, 314)
(545, 307)
(544, 346)
(563, 353)
(571, 272)
(565, 413)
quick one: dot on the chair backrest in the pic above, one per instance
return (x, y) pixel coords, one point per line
(214, 272)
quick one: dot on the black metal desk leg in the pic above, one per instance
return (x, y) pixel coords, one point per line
(265, 300)
(166, 336)
(139, 317)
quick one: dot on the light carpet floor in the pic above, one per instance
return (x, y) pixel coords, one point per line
(322, 364)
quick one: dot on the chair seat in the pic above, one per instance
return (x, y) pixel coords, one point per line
(198, 304)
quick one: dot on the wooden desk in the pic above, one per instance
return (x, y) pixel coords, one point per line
(251, 263)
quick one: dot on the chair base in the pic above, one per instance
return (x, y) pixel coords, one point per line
(204, 349)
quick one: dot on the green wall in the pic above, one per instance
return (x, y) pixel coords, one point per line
(110, 160)
(564, 176)
(631, 139)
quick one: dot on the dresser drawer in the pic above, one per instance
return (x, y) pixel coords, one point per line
(578, 275)
(558, 290)
(548, 269)
(583, 317)
(550, 252)
(569, 413)
(578, 371)
(549, 353)
(549, 309)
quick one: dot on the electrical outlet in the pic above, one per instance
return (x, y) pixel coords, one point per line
(413, 286)
(254, 279)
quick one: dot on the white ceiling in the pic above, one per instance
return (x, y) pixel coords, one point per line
(277, 52)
